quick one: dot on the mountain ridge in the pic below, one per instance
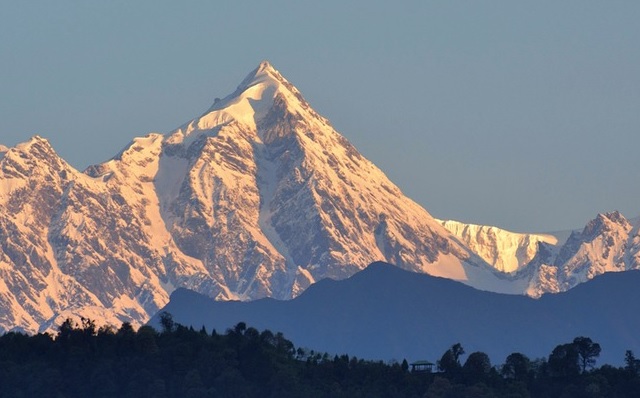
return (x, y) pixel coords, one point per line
(237, 203)
(257, 197)
(384, 312)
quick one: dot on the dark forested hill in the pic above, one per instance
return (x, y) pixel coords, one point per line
(243, 362)
(384, 312)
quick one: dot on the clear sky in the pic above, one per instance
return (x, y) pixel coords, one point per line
(524, 115)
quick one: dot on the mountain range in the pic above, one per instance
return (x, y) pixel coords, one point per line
(386, 313)
(258, 197)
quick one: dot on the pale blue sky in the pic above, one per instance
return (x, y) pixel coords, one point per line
(524, 115)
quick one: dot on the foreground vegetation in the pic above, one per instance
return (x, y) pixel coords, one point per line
(84, 361)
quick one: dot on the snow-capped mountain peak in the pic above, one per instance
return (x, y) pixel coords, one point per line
(504, 250)
(605, 222)
(258, 197)
(3, 150)
(608, 243)
(35, 157)
(299, 193)
(35, 145)
(248, 105)
(600, 247)
(264, 73)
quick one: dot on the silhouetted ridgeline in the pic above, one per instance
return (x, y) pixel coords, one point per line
(244, 362)
(384, 312)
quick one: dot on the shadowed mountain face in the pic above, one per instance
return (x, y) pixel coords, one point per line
(383, 312)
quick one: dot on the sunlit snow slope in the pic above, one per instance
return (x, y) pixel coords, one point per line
(257, 197)
(505, 251)
(548, 264)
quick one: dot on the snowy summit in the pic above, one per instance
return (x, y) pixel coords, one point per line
(257, 197)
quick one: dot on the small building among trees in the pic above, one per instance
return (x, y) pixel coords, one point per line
(422, 366)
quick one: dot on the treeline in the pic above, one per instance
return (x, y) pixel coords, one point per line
(569, 372)
(85, 361)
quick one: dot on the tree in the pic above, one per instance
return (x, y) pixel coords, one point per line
(477, 366)
(239, 329)
(517, 367)
(632, 365)
(588, 351)
(439, 388)
(88, 326)
(450, 360)
(284, 346)
(65, 330)
(563, 361)
(167, 323)
(146, 340)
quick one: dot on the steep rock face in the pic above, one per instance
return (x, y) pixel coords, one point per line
(30, 191)
(73, 244)
(608, 243)
(46, 268)
(504, 250)
(274, 199)
(257, 197)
